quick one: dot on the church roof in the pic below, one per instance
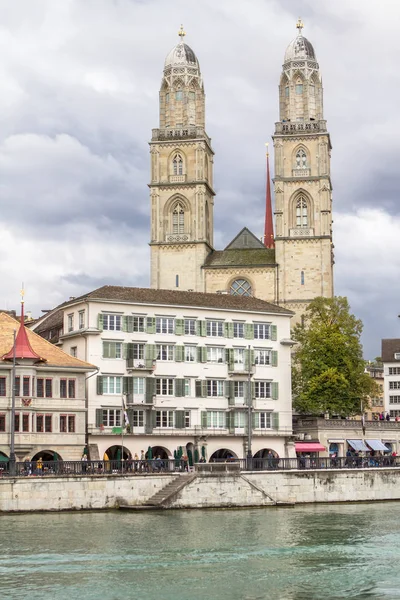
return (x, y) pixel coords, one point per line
(300, 47)
(181, 54)
(245, 250)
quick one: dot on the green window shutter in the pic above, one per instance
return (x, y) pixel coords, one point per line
(99, 384)
(179, 353)
(247, 359)
(148, 422)
(129, 351)
(252, 358)
(228, 328)
(125, 350)
(129, 324)
(203, 356)
(150, 389)
(204, 420)
(274, 358)
(230, 421)
(129, 412)
(179, 388)
(153, 419)
(99, 417)
(127, 385)
(253, 390)
(179, 326)
(275, 420)
(249, 331)
(179, 419)
(198, 388)
(151, 351)
(100, 320)
(203, 328)
(274, 333)
(274, 390)
(231, 358)
(255, 420)
(124, 323)
(204, 389)
(150, 325)
(226, 389)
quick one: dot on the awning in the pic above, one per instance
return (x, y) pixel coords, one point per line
(309, 447)
(358, 445)
(376, 445)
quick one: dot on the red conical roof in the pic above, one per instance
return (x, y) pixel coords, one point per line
(23, 349)
(269, 224)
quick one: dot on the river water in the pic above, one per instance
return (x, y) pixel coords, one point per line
(303, 553)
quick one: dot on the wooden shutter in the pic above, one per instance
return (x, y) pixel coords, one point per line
(249, 331)
(274, 333)
(228, 330)
(204, 419)
(129, 351)
(149, 421)
(275, 420)
(204, 389)
(179, 419)
(100, 322)
(230, 355)
(198, 388)
(150, 389)
(179, 388)
(274, 358)
(179, 326)
(99, 417)
(125, 351)
(124, 323)
(230, 421)
(129, 323)
(127, 385)
(255, 420)
(99, 385)
(179, 353)
(202, 328)
(150, 351)
(274, 390)
(203, 354)
(150, 325)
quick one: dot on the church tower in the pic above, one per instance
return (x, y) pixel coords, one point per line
(182, 197)
(303, 200)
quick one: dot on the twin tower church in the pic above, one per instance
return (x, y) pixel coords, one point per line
(294, 262)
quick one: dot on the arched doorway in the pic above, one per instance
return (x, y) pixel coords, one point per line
(159, 451)
(115, 453)
(222, 454)
(266, 458)
(190, 453)
(47, 456)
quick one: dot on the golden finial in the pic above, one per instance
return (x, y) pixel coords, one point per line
(267, 145)
(22, 294)
(181, 33)
(299, 24)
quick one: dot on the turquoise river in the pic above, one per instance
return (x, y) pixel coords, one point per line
(303, 553)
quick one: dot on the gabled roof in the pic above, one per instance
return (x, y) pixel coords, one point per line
(390, 347)
(250, 257)
(48, 353)
(244, 239)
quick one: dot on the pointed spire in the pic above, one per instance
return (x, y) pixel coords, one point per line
(269, 225)
(23, 348)
(300, 26)
(181, 33)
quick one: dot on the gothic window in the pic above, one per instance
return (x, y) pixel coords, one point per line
(301, 212)
(287, 91)
(179, 95)
(178, 219)
(240, 287)
(177, 164)
(299, 88)
(301, 159)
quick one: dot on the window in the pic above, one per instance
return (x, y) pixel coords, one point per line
(238, 356)
(176, 280)
(239, 389)
(179, 95)
(40, 388)
(178, 219)
(190, 353)
(262, 420)
(240, 287)
(263, 389)
(111, 417)
(187, 387)
(299, 88)
(301, 159)
(112, 384)
(216, 419)
(16, 422)
(192, 95)
(302, 278)
(190, 326)
(26, 386)
(138, 324)
(112, 349)
(177, 165)
(40, 423)
(137, 418)
(63, 423)
(138, 351)
(301, 212)
(394, 399)
(262, 331)
(394, 385)
(73, 351)
(112, 322)
(164, 387)
(49, 388)
(71, 423)
(17, 385)
(67, 388)
(262, 357)
(215, 328)
(312, 89)
(81, 317)
(44, 387)
(394, 370)
(238, 330)
(187, 418)
(215, 387)
(287, 91)
(2, 422)
(164, 325)
(2, 386)
(70, 322)
(138, 385)
(165, 352)
(164, 418)
(167, 97)
(48, 423)
(215, 354)
(397, 356)
(71, 388)
(240, 419)
(67, 423)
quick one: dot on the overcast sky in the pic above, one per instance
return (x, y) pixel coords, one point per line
(79, 83)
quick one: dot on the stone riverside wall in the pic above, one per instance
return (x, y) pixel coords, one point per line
(205, 491)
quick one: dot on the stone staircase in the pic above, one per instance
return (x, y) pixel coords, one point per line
(161, 498)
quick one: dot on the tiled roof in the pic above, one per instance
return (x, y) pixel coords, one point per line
(241, 257)
(55, 321)
(180, 298)
(53, 356)
(390, 347)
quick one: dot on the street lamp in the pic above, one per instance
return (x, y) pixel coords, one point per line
(249, 414)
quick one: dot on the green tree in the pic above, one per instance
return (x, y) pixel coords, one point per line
(328, 372)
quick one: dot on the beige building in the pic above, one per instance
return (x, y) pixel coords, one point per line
(50, 405)
(300, 267)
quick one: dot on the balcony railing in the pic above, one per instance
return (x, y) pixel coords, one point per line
(138, 364)
(184, 133)
(301, 232)
(177, 178)
(301, 172)
(289, 128)
(173, 238)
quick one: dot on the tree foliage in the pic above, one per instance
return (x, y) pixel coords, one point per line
(328, 366)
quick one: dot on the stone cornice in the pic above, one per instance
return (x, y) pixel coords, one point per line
(165, 185)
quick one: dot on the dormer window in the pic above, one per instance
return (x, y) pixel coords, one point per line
(397, 356)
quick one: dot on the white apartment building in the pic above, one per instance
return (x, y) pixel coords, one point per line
(186, 365)
(391, 375)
